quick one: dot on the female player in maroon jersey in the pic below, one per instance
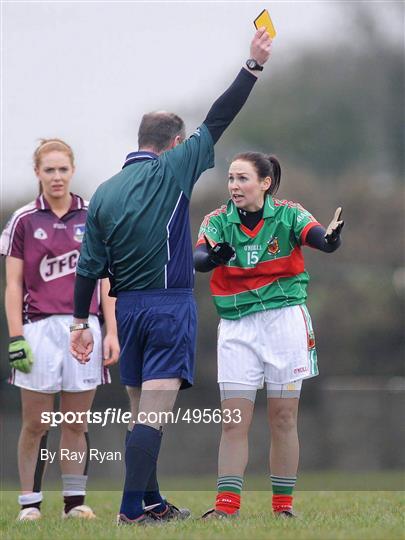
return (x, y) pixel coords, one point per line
(41, 243)
(253, 245)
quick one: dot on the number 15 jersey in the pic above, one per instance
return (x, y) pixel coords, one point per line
(267, 270)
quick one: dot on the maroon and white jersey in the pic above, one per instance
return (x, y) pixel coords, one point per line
(49, 247)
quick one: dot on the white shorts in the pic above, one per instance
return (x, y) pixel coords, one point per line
(54, 368)
(231, 390)
(276, 346)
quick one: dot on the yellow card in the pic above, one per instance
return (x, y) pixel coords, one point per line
(264, 20)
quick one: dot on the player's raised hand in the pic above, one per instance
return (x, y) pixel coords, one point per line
(335, 226)
(111, 349)
(261, 46)
(81, 345)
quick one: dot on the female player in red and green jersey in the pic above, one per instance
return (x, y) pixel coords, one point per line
(253, 244)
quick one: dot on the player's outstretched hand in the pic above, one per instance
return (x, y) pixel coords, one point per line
(111, 349)
(81, 345)
(219, 253)
(335, 226)
(261, 46)
(20, 354)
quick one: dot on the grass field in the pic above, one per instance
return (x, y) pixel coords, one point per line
(327, 515)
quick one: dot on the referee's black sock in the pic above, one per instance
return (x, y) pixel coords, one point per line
(152, 493)
(140, 459)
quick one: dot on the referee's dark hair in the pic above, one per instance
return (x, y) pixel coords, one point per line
(158, 129)
(265, 165)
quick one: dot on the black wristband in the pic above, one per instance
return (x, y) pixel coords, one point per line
(316, 239)
(16, 338)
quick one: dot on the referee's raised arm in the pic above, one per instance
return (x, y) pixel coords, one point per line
(166, 156)
(227, 106)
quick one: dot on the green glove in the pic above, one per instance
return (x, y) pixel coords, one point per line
(20, 354)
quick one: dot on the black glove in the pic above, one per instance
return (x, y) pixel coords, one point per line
(334, 227)
(220, 253)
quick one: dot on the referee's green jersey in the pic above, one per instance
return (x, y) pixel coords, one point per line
(137, 229)
(268, 268)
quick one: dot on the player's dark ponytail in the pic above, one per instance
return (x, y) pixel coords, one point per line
(265, 165)
(275, 174)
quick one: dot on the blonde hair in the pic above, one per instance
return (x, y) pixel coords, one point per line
(51, 145)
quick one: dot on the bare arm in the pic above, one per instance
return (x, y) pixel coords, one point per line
(111, 348)
(14, 295)
(19, 350)
(108, 307)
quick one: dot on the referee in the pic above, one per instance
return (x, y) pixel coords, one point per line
(138, 234)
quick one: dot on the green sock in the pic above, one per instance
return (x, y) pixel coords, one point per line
(283, 485)
(230, 483)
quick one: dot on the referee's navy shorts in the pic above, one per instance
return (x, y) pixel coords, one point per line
(157, 331)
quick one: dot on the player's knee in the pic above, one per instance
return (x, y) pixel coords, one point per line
(34, 428)
(76, 428)
(235, 430)
(283, 420)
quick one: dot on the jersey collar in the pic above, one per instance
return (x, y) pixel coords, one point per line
(135, 157)
(233, 215)
(77, 203)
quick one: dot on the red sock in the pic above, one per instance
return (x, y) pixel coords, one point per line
(227, 502)
(282, 502)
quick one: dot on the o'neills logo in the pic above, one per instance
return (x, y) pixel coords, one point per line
(272, 245)
(301, 369)
(56, 267)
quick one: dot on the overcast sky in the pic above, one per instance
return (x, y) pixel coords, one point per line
(87, 71)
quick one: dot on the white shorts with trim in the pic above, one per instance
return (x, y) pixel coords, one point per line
(276, 346)
(231, 390)
(54, 368)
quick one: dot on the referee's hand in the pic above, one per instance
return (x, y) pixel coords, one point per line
(261, 46)
(111, 349)
(81, 345)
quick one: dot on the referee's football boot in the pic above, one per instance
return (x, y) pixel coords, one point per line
(171, 513)
(142, 521)
(212, 513)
